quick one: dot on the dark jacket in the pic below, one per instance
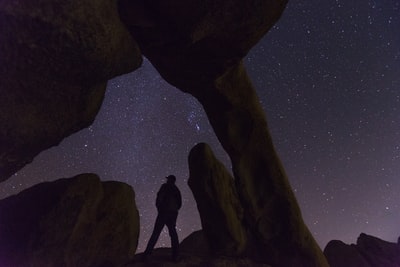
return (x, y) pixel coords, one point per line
(169, 198)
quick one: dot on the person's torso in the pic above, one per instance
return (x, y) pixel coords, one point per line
(168, 198)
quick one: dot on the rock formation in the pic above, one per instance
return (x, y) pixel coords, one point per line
(341, 254)
(58, 55)
(193, 43)
(70, 222)
(200, 53)
(220, 210)
(369, 251)
(226, 223)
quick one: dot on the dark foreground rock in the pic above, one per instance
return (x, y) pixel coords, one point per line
(56, 58)
(227, 220)
(369, 251)
(219, 207)
(73, 222)
(161, 257)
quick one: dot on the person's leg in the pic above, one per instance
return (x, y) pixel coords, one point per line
(158, 226)
(171, 224)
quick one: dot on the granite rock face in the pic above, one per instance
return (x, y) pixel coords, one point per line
(56, 58)
(369, 251)
(220, 210)
(79, 221)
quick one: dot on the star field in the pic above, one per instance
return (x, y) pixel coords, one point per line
(328, 77)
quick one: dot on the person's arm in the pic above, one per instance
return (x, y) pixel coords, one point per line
(160, 197)
(179, 197)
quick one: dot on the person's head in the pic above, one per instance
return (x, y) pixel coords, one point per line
(171, 179)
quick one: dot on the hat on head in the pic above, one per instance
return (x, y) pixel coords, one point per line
(171, 178)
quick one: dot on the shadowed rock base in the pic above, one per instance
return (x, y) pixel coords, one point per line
(220, 210)
(73, 222)
(161, 258)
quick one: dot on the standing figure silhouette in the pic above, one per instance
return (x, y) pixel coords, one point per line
(168, 203)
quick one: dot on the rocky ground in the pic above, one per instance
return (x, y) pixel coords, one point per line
(162, 258)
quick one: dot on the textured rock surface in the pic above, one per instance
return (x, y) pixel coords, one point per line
(220, 211)
(270, 208)
(369, 251)
(79, 221)
(56, 57)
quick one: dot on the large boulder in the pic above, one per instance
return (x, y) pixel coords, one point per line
(192, 43)
(219, 207)
(369, 251)
(79, 221)
(56, 58)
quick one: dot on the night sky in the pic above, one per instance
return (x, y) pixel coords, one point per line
(328, 77)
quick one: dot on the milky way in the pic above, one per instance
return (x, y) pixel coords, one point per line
(328, 77)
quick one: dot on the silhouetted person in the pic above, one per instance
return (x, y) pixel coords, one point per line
(168, 202)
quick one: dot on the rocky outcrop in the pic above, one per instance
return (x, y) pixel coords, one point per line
(340, 254)
(220, 210)
(225, 219)
(56, 57)
(79, 221)
(369, 251)
(193, 43)
(200, 53)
